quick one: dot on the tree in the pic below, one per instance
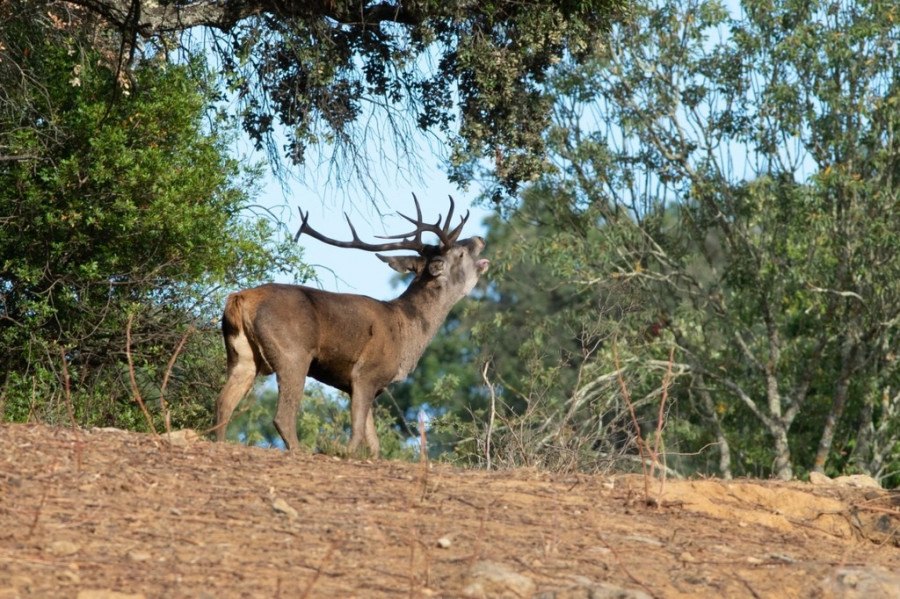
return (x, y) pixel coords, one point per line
(472, 71)
(538, 335)
(123, 218)
(745, 183)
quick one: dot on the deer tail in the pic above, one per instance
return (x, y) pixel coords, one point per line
(238, 329)
(233, 317)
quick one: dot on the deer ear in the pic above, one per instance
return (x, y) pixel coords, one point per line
(404, 264)
(436, 267)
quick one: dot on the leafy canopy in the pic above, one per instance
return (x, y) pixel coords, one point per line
(740, 170)
(309, 74)
(724, 186)
(121, 208)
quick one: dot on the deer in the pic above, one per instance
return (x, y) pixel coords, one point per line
(354, 343)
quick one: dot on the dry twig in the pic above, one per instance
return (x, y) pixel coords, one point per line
(134, 385)
(68, 396)
(490, 428)
(162, 388)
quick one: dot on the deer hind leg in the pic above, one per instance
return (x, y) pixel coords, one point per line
(241, 374)
(362, 421)
(291, 382)
(372, 436)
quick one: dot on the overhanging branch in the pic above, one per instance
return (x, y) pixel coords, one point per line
(152, 17)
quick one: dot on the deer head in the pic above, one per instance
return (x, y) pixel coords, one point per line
(445, 260)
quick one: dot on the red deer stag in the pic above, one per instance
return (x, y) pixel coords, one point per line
(352, 342)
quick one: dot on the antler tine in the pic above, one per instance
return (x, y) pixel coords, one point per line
(352, 229)
(303, 225)
(421, 226)
(419, 223)
(418, 210)
(449, 215)
(453, 235)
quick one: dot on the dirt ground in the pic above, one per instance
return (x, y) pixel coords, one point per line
(107, 514)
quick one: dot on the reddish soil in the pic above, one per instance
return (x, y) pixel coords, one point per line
(105, 513)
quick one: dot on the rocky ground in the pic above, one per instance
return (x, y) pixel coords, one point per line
(107, 514)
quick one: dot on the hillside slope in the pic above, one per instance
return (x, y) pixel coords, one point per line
(106, 513)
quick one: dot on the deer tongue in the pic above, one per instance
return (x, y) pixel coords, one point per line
(482, 265)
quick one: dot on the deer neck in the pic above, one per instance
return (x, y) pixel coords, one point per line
(421, 311)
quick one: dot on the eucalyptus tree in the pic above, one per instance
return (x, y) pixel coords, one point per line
(739, 170)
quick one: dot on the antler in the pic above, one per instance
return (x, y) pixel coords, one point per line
(409, 241)
(447, 237)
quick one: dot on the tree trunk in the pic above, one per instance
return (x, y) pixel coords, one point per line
(865, 434)
(783, 468)
(712, 417)
(838, 401)
(724, 454)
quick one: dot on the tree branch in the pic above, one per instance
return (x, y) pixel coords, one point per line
(152, 17)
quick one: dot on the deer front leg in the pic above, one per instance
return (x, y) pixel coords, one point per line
(362, 421)
(290, 392)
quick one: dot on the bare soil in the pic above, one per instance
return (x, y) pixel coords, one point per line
(106, 513)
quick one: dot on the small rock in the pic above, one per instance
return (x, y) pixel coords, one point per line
(860, 583)
(281, 506)
(139, 556)
(605, 590)
(491, 579)
(69, 575)
(61, 548)
(444, 542)
(860, 481)
(182, 438)
(817, 478)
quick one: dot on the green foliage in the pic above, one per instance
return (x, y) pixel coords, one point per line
(735, 174)
(723, 186)
(473, 73)
(121, 215)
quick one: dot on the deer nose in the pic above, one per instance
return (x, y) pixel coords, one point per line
(479, 244)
